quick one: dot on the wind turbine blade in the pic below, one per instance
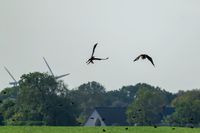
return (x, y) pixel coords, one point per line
(57, 77)
(48, 66)
(10, 74)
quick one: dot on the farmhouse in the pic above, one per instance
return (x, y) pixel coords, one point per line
(115, 116)
(107, 116)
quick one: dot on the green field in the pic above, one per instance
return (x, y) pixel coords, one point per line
(44, 129)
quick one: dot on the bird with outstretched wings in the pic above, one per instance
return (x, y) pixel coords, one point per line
(145, 56)
(92, 58)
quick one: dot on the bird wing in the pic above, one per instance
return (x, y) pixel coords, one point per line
(94, 48)
(97, 59)
(101, 58)
(137, 58)
(150, 59)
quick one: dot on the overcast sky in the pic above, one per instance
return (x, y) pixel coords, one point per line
(64, 31)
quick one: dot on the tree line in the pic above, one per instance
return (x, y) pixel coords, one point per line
(40, 99)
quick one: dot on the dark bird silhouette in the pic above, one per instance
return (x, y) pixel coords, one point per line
(104, 130)
(145, 56)
(4, 92)
(60, 105)
(92, 58)
(126, 128)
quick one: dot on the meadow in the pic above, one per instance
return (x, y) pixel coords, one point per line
(121, 129)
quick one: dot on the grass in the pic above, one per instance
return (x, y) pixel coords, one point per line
(46, 129)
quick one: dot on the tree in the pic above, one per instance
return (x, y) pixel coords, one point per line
(126, 95)
(187, 106)
(147, 106)
(88, 96)
(7, 103)
(7, 110)
(9, 93)
(122, 97)
(42, 101)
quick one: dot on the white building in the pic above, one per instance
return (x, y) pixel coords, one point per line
(107, 116)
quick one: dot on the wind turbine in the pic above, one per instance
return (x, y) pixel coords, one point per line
(56, 77)
(15, 82)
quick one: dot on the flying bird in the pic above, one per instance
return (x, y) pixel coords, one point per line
(92, 58)
(145, 56)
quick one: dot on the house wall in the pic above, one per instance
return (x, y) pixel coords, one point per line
(91, 122)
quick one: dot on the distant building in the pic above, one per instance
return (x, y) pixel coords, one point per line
(115, 116)
(107, 116)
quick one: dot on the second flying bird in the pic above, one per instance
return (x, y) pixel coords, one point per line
(92, 58)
